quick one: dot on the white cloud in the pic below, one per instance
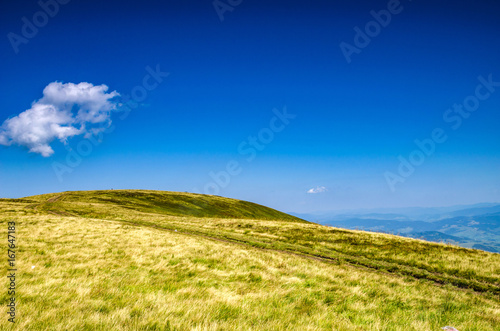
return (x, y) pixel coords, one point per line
(65, 110)
(318, 189)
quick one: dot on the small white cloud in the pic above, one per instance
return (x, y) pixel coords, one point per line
(318, 189)
(65, 110)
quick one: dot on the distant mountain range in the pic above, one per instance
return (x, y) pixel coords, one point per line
(473, 226)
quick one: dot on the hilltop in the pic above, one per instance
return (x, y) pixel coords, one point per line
(112, 202)
(154, 260)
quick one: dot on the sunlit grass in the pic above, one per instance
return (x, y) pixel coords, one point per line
(118, 272)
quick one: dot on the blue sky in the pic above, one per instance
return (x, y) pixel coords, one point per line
(218, 122)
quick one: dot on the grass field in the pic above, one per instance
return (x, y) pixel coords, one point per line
(146, 260)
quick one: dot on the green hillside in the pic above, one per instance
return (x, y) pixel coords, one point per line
(93, 203)
(151, 260)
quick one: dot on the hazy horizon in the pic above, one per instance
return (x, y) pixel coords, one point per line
(302, 107)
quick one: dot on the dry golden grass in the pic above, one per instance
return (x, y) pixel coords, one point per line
(109, 274)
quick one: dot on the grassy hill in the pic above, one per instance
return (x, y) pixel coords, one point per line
(150, 260)
(106, 203)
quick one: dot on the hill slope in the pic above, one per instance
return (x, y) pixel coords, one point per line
(146, 260)
(85, 203)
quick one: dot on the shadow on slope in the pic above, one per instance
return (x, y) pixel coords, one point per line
(102, 203)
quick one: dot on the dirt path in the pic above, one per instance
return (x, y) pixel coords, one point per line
(53, 199)
(242, 243)
(321, 258)
(56, 198)
(433, 277)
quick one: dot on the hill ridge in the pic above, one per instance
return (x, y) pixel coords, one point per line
(142, 260)
(181, 204)
(121, 204)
